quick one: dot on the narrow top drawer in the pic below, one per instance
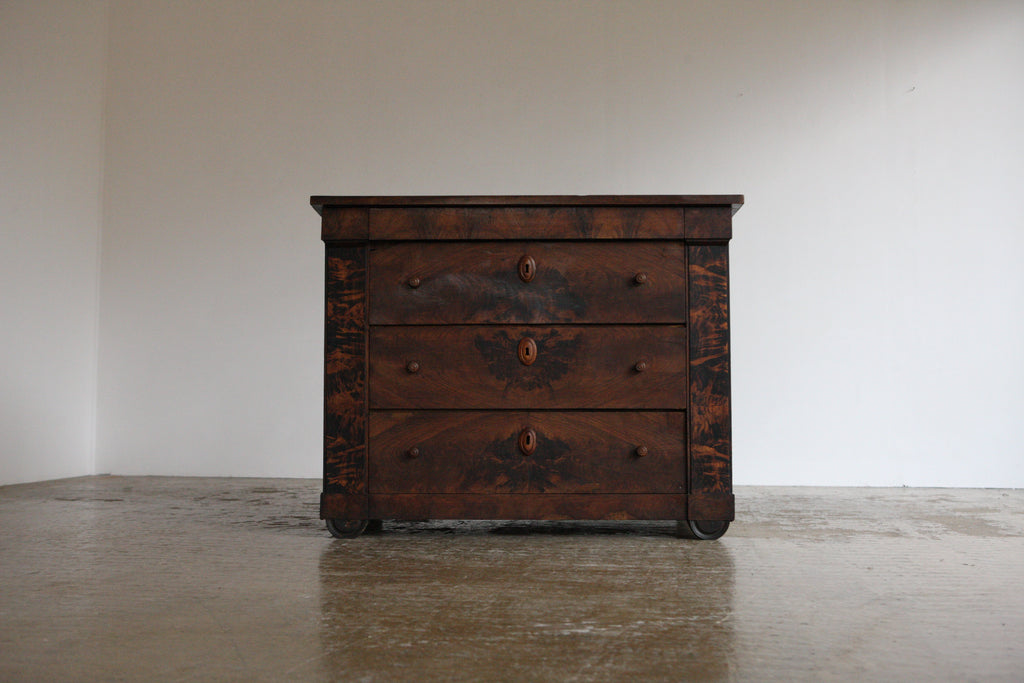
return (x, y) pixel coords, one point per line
(588, 217)
(475, 223)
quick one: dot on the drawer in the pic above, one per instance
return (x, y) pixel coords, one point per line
(571, 452)
(527, 282)
(525, 222)
(528, 367)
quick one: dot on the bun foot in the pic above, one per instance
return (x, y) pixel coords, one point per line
(346, 528)
(700, 530)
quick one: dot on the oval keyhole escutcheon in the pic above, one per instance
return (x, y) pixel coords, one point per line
(527, 351)
(528, 441)
(527, 268)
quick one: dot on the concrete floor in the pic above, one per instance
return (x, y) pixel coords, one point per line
(133, 578)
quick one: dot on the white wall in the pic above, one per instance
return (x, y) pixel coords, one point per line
(879, 293)
(876, 295)
(52, 60)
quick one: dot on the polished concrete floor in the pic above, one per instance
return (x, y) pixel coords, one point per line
(139, 578)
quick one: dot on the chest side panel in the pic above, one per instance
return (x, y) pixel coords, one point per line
(345, 371)
(710, 409)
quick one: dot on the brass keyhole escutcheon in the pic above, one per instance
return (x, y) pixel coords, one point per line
(528, 441)
(527, 268)
(527, 351)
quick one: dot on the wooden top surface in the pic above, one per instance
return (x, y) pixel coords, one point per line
(733, 200)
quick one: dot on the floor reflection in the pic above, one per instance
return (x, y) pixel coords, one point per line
(536, 600)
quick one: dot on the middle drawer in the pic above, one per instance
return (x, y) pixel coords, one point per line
(633, 367)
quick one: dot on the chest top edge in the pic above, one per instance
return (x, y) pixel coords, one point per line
(735, 201)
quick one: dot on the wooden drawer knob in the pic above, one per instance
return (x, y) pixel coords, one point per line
(413, 452)
(527, 268)
(641, 451)
(528, 441)
(413, 282)
(527, 351)
(640, 366)
(412, 367)
(640, 278)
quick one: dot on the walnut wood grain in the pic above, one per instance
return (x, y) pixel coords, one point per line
(555, 222)
(539, 506)
(711, 507)
(345, 373)
(577, 367)
(573, 282)
(341, 224)
(575, 452)
(708, 223)
(710, 417)
(343, 506)
(612, 330)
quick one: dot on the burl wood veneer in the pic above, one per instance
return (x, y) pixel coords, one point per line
(527, 358)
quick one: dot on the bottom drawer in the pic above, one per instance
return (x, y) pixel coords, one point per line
(527, 452)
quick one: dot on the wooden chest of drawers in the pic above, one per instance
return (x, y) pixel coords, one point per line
(527, 358)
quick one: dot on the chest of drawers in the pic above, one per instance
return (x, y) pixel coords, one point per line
(527, 358)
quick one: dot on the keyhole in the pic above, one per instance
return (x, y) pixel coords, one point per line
(527, 441)
(527, 268)
(527, 351)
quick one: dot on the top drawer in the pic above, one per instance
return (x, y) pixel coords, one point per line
(525, 222)
(415, 283)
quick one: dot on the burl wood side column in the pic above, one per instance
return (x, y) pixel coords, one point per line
(708, 230)
(345, 406)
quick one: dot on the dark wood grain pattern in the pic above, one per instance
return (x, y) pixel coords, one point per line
(527, 357)
(478, 452)
(573, 282)
(343, 505)
(345, 373)
(474, 367)
(558, 222)
(343, 224)
(708, 223)
(711, 506)
(710, 417)
(541, 506)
